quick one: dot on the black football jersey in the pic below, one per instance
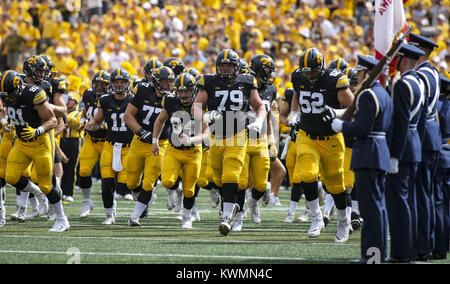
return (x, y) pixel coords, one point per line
(91, 104)
(21, 112)
(267, 93)
(181, 121)
(114, 111)
(45, 85)
(58, 86)
(231, 98)
(313, 97)
(149, 106)
(288, 95)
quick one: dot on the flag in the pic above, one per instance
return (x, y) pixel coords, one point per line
(390, 20)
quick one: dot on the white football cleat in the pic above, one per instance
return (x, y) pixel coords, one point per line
(237, 226)
(254, 210)
(21, 217)
(110, 220)
(195, 215)
(33, 214)
(225, 225)
(67, 198)
(128, 196)
(171, 196)
(316, 224)
(134, 222)
(186, 220)
(61, 225)
(14, 215)
(266, 197)
(343, 227)
(178, 199)
(289, 218)
(305, 216)
(88, 205)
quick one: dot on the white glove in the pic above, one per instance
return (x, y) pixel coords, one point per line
(394, 166)
(294, 118)
(256, 126)
(212, 116)
(336, 125)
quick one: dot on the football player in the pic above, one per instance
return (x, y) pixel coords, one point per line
(140, 117)
(184, 153)
(317, 90)
(261, 146)
(118, 138)
(93, 141)
(175, 64)
(227, 95)
(149, 66)
(33, 118)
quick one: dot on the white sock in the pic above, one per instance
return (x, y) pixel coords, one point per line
(355, 206)
(314, 205)
(59, 211)
(23, 198)
(138, 209)
(293, 206)
(86, 193)
(186, 212)
(329, 203)
(344, 214)
(228, 208)
(109, 211)
(34, 203)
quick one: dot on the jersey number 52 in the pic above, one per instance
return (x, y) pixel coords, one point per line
(311, 102)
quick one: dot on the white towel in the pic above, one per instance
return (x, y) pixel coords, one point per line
(285, 149)
(117, 157)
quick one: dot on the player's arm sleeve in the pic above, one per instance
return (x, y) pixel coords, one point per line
(40, 97)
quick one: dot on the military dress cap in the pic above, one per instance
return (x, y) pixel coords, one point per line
(445, 84)
(366, 62)
(410, 51)
(421, 41)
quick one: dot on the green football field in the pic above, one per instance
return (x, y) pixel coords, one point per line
(161, 239)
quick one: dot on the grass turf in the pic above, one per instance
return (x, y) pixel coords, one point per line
(161, 239)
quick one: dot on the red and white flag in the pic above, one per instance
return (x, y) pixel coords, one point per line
(389, 20)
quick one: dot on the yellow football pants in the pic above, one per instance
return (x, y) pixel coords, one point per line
(189, 162)
(106, 161)
(291, 157)
(328, 153)
(257, 164)
(202, 180)
(40, 152)
(142, 161)
(349, 175)
(226, 158)
(89, 155)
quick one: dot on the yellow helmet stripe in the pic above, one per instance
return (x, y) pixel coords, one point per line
(347, 71)
(305, 62)
(3, 79)
(339, 63)
(182, 79)
(226, 54)
(118, 71)
(101, 73)
(154, 64)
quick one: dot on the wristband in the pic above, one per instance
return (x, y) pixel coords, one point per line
(155, 140)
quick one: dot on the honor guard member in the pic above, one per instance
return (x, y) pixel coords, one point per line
(118, 139)
(442, 181)
(261, 146)
(31, 115)
(184, 153)
(175, 64)
(317, 89)
(149, 66)
(431, 146)
(140, 117)
(227, 95)
(370, 158)
(406, 153)
(93, 140)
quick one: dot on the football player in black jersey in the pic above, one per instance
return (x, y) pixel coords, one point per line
(184, 152)
(227, 95)
(140, 117)
(33, 118)
(257, 158)
(118, 139)
(149, 66)
(317, 90)
(93, 141)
